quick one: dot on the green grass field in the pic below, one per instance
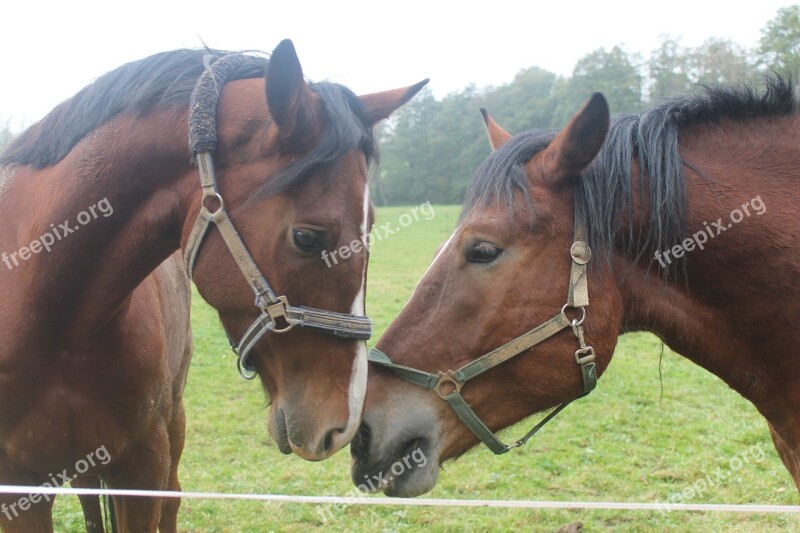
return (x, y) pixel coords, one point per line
(630, 440)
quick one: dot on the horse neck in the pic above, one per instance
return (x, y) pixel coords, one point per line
(721, 313)
(139, 168)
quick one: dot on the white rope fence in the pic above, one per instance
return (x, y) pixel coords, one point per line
(408, 502)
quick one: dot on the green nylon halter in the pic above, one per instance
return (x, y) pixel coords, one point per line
(578, 298)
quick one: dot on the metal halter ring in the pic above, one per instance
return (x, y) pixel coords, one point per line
(219, 199)
(447, 377)
(574, 322)
(246, 369)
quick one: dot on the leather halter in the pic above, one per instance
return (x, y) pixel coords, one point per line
(447, 385)
(277, 315)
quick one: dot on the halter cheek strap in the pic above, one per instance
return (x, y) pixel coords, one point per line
(276, 314)
(447, 385)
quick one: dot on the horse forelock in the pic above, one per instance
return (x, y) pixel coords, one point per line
(348, 126)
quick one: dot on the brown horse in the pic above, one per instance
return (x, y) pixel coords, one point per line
(689, 210)
(100, 199)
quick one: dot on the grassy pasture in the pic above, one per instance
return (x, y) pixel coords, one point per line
(630, 440)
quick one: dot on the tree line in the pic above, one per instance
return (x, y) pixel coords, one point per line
(431, 147)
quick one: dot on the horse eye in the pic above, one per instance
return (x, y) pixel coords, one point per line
(483, 252)
(307, 240)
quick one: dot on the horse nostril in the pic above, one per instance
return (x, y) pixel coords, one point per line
(359, 446)
(328, 441)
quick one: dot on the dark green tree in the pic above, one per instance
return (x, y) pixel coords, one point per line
(780, 42)
(432, 147)
(527, 102)
(405, 156)
(615, 73)
(720, 62)
(457, 144)
(669, 68)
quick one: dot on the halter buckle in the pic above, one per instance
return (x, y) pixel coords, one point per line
(278, 310)
(585, 355)
(447, 377)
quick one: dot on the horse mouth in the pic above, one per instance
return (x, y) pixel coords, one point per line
(410, 470)
(280, 432)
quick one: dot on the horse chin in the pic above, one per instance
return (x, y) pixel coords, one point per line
(413, 483)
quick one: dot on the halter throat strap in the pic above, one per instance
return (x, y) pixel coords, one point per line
(447, 385)
(276, 314)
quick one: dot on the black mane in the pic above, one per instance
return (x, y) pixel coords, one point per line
(604, 193)
(167, 79)
(163, 79)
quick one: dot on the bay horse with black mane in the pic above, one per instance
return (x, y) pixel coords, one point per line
(94, 328)
(627, 214)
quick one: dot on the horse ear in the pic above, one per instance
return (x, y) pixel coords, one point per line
(497, 135)
(288, 96)
(574, 148)
(381, 105)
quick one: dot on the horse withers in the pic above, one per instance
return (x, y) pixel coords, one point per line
(104, 212)
(615, 213)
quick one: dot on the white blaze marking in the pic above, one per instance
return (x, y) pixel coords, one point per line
(441, 251)
(358, 304)
(435, 259)
(358, 378)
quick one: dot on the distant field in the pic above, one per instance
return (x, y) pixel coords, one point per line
(630, 440)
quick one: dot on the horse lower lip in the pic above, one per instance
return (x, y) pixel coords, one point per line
(282, 433)
(401, 457)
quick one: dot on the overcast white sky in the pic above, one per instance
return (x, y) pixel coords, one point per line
(49, 51)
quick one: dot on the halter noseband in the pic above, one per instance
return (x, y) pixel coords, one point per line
(447, 385)
(276, 314)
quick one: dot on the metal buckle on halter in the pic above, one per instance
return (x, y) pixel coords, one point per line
(447, 377)
(584, 355)
(277, 310)
(516, 444)
(588, 369)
